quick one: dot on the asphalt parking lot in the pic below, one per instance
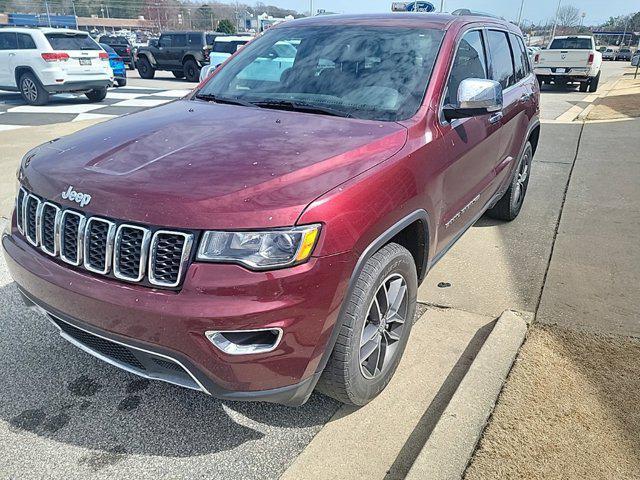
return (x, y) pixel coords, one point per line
(64, 414)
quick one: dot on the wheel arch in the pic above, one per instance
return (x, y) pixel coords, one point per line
(21, 70)
(188, 56)
(416, 222)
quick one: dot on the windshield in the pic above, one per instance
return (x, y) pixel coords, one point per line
(365, 72)
(571, 44)
(63, 41)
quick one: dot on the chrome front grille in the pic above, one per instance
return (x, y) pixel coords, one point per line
(133, 253)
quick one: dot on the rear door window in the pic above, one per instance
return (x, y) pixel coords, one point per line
(179, 40)
(519, 59)
(25, 42)
(470, 62)
(8, 41)
(62, 41)
(501, 61)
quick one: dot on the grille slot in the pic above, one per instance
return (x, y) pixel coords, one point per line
(32, 209)
(49, 228)
(98, 245)
(22, 194)
(115, 351)
(169, 252)
(130, 252)
(71, 234)
(127, 252)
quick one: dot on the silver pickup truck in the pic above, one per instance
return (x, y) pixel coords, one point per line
(569, 59)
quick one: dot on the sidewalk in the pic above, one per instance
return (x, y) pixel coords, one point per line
(622, 102)
(570, 407)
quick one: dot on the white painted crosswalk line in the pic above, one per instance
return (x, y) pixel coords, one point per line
(71, 108)
(92, 116)
(124, 95)
(172, 93)
(141, 102)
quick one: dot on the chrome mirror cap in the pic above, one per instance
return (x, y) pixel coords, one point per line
(479, 94)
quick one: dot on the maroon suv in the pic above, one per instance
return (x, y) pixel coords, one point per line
(267, 234)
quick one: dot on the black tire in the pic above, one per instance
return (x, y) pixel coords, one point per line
(145, 69)
(584, 86)
(32, 90)
(122, 82)
(510, 204)
(191, 70)
(132, 66)
(97, 95)
(540, 82)
(178, 74)
(345, 375)
(593, 84)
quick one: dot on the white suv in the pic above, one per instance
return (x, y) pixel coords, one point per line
(39, 62)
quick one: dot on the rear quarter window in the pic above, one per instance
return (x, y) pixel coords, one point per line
(62, 41)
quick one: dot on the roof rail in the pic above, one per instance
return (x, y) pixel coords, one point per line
(465, 11)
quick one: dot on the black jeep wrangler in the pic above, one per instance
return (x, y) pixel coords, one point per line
(182, 53)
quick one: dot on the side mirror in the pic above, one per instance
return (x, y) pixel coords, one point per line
(476, 96)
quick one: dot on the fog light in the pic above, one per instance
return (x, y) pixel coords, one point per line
(245, 342)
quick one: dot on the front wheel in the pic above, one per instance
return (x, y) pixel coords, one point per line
(509, 205)
(374, 328)
(97, 95)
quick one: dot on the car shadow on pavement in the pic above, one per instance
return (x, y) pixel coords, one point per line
(13, 99)
(54, 390)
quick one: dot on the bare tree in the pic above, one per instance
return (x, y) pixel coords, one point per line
(568, 16)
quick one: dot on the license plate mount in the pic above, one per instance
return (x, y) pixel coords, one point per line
(84, 61)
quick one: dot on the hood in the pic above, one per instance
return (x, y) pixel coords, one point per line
(197, 165)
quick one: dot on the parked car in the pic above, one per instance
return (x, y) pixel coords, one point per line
(222, 49)
(272, 64)
(264, 236)
(624, 54)
(40, 62)
(117, 66)
(122, 47)
(569, 59)
(182, 53)
(609, 54)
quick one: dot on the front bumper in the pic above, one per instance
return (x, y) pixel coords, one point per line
(303, 301)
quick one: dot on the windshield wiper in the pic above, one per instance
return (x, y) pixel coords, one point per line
(302, 107)
(228, 100)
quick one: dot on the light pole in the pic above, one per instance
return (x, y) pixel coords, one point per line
(520, 12)
(555, 21)
(311, 8)
(441, 6)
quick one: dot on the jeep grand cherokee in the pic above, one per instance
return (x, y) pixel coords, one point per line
(265, 236)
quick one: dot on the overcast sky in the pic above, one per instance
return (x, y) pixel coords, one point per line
(534, 10)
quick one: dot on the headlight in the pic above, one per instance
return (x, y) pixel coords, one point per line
(260, 250)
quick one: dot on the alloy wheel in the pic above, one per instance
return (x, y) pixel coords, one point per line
(521, 181)
(29, 89)
(383, 326)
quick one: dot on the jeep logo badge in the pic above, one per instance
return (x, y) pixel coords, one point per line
(82, 199)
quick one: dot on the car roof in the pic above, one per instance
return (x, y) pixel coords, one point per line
(440, 21)
(561, 37)
(44, 30)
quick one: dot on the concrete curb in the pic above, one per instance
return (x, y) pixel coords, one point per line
(453, 440)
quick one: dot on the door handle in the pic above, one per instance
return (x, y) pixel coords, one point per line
(526, 97)
(496, 117)
(12, 54)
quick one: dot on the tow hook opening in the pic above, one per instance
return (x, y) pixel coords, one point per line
(245, 342)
